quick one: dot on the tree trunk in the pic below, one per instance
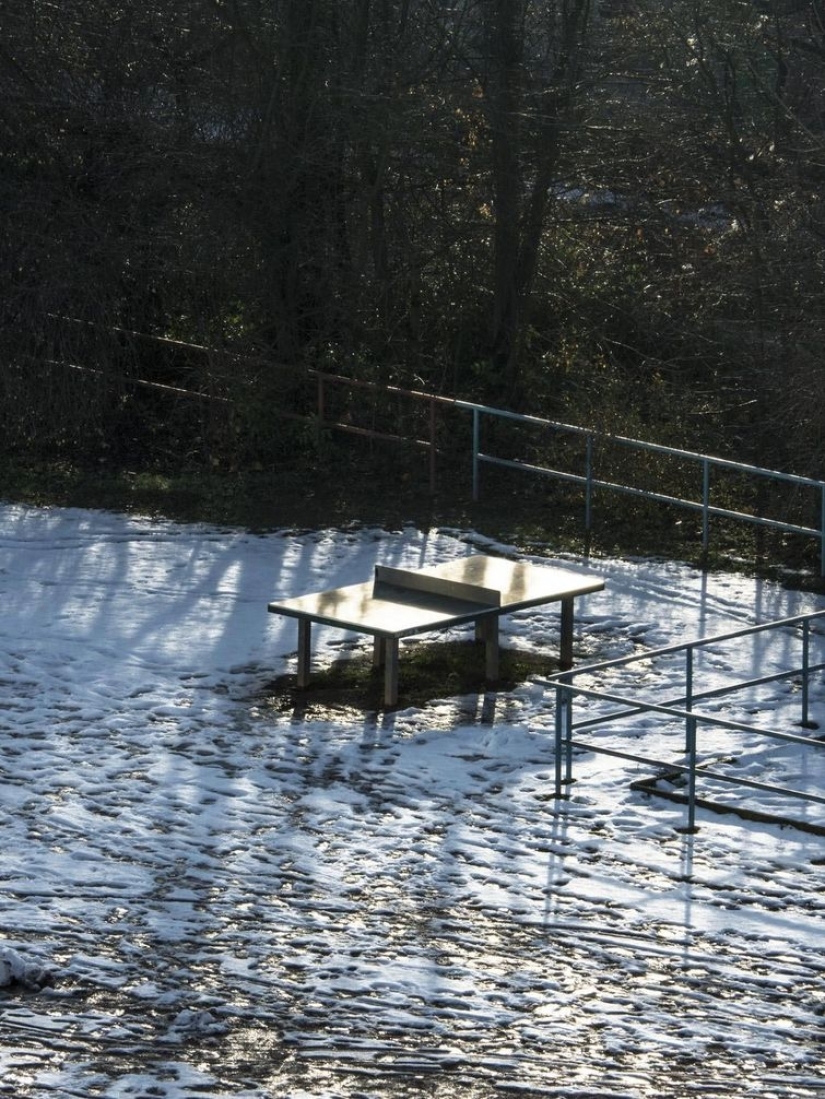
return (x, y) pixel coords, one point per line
(526, 99)
(504, 97)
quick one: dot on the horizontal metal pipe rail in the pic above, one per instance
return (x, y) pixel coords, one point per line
(698, 643)
(322, 377)
(681, 709)
(587, 478)
(591, 482)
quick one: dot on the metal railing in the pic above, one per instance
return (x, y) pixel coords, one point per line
(423, 435)
(704, 464)
(682, 710)
(326, 381)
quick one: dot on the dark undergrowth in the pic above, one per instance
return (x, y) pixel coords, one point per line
(391, 490)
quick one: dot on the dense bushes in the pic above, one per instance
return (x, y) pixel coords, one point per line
(612, 216)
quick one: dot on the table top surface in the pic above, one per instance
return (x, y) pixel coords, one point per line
(390, 611)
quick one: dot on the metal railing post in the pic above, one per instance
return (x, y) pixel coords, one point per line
(563, 738)
(689, 677)
(690, 740)
(559, 723)
(588, 487)
(806, 637)
(476, 439)
(432, 448)
(691, 760)
(568, 740)
(681, 709)
(705, 507)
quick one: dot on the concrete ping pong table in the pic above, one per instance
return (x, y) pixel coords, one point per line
(399, 603)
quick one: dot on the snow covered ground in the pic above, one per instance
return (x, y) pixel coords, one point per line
(202, 894)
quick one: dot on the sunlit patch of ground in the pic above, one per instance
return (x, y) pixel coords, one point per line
(428, 670)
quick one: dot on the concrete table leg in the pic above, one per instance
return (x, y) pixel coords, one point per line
(390, 671)
(491, 651)
(566, 653)
(379, 651)
(304, 646)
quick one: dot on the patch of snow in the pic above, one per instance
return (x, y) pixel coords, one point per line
(242, 901)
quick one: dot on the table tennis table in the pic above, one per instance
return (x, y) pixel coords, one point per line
(398, 603)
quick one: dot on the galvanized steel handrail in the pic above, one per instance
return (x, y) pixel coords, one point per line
(590, 482)
(588, 478)
(682, 709)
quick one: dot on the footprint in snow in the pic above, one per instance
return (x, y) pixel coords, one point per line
(202, 1021)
